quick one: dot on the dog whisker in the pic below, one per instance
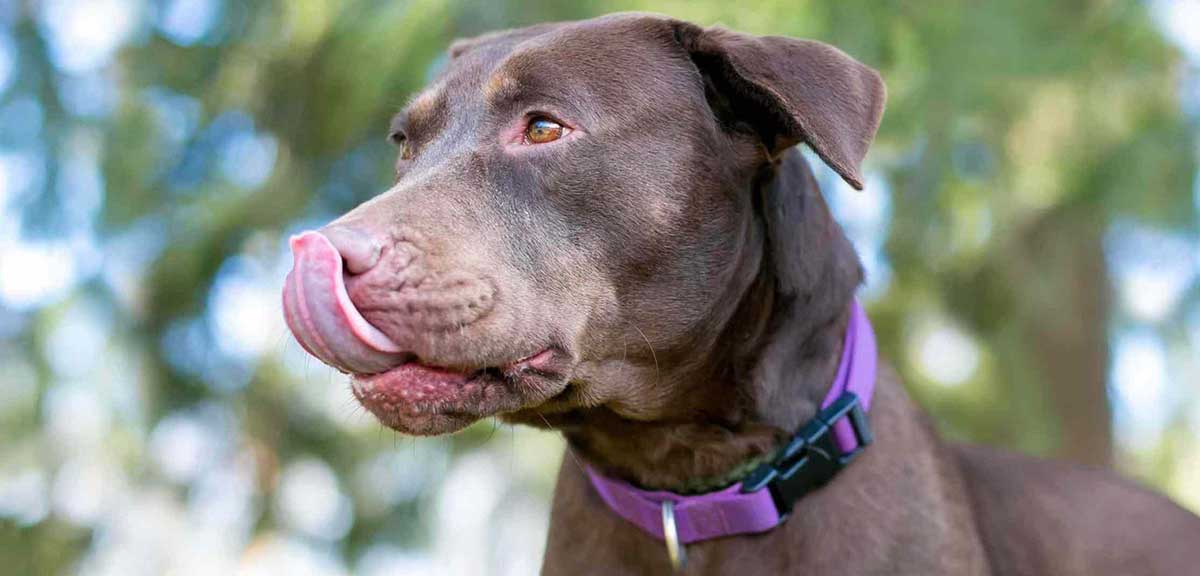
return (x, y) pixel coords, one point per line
(567, 449)
(493, 432)
(657, 376)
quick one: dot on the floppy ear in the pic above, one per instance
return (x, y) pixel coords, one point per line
(792, 91)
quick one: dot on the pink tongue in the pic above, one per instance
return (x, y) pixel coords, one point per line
(322, 317)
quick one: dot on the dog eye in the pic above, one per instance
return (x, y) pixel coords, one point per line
(543, 130)
(400, 139)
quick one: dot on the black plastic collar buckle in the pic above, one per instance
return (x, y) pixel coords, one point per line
(811, 459)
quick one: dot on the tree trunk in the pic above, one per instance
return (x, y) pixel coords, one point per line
(1063, 300)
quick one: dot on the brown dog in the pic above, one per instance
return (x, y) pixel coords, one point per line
(602, 227)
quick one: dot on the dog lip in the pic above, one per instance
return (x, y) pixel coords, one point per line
(538, 361)
(408, 397)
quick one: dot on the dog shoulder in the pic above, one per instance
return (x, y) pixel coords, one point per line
(1043, 517)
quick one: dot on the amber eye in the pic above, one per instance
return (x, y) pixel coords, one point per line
(543, 130)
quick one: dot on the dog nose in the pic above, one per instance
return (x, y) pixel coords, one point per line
(360, 250)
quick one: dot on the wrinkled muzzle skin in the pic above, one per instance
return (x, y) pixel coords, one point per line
(536, 281)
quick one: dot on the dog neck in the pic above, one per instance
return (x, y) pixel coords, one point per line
(769, 367)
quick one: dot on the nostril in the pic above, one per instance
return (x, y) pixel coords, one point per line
(359, 250)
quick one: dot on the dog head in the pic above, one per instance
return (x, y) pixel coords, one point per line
(573, 221)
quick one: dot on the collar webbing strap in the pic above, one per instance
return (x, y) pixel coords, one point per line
(763, 499)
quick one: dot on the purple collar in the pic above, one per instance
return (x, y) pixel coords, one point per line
(763, 499)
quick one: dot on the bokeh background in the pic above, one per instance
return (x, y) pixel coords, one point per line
(1030, 228)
